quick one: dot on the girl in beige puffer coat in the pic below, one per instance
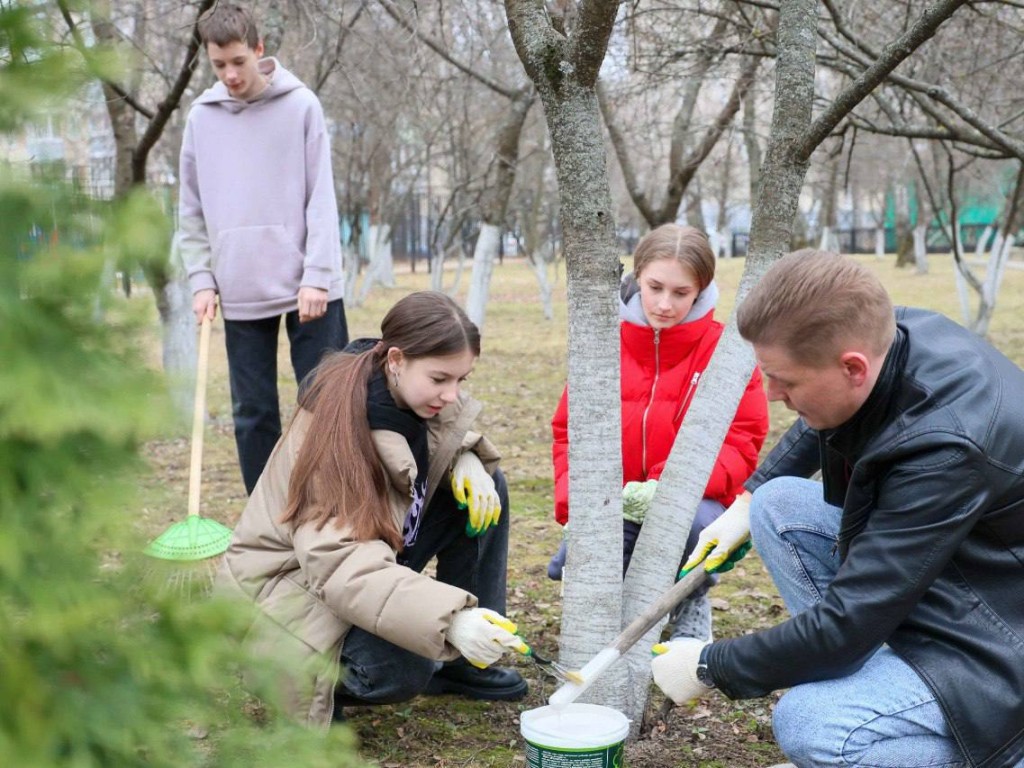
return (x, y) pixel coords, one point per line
(379, 472)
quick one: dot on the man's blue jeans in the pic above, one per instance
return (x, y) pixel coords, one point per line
(252, 369)
(378, 672)
(883, 715)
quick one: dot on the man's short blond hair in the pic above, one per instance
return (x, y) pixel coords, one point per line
(812, 304)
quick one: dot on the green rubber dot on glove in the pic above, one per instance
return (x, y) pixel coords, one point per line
(728, 564)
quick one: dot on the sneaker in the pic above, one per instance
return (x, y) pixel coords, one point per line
(490, 684)
(557, 563)
(692, 618)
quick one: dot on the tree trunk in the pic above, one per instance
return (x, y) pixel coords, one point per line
(540, 270)
(1000, 255)
(921, 249)
(495, 204)
(179, 340)
(564, 68)
(752, 144)
(663, 536)
(904, 228)
(484, 255)
(983, 238)
(382, 268)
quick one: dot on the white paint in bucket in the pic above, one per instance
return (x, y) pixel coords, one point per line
(574, 736)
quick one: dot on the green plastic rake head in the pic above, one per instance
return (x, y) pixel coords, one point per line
(195, 537)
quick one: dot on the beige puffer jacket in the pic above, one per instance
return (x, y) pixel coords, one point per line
(310, 586)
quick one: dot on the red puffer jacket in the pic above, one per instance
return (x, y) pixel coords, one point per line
(660, 372)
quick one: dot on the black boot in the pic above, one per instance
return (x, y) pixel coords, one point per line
(491, 684)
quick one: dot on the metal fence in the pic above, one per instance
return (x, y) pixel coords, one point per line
(862, 239)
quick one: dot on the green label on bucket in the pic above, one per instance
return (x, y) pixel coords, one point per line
(551, 757)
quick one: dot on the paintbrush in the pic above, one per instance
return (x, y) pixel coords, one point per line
(598, 665)
(553, 668)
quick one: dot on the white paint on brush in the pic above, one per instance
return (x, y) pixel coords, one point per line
(593, 669)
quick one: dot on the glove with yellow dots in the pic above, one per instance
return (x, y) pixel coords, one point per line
(678, 671)
(474, 491)
(482, 635)
(725, 541)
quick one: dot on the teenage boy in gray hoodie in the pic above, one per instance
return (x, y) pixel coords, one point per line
(258, 224)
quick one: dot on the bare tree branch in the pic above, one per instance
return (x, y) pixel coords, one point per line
(442, 50)
(83, 49)
(891, 56)
(173, 99)
(589, 41)
(343, 31)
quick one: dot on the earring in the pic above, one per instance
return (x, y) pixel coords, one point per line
(394, 377)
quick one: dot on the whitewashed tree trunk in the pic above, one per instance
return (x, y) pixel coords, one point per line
(662, 539)
(793, 138)
(979, 247)
(596, 604)
(437, 271)
(180, 348)
(921, 249)
(381, 268)
(501, 179)
(350, 264)
(829, 241)
(717, 243)
(962, 293)
(484, 256)
(880, 243)
(460, 269)
(997, 246)
(993, 280)
(540, 270)
(563, 65)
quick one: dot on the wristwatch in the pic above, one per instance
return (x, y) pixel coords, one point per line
(703, 675)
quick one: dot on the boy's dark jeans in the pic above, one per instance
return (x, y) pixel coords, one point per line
(252, 368)
(378, 672)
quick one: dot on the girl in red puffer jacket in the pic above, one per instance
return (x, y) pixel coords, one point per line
(668, 334)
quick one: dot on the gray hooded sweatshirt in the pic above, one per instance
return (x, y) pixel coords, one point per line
(257, 215)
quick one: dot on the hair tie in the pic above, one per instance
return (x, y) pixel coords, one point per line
(378, 348)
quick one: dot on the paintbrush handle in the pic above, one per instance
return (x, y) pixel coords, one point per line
(199, 418)
(668, 600)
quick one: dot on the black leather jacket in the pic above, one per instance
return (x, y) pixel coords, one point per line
(929, 474)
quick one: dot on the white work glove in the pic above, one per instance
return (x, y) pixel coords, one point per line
(725, 541)
(482, 635)
(637, 498)
(474, 490)
(674, 667)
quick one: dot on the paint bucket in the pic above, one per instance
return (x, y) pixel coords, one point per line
(574, 736)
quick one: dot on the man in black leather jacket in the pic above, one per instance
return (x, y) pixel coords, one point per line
(904, 567)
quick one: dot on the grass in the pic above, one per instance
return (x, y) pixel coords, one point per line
(519, 378)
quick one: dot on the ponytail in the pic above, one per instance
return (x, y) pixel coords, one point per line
(336, 474)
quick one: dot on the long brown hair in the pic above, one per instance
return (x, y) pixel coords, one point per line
(336, 474)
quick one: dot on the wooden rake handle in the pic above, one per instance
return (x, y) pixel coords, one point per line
(199, 418)
(668, 600)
